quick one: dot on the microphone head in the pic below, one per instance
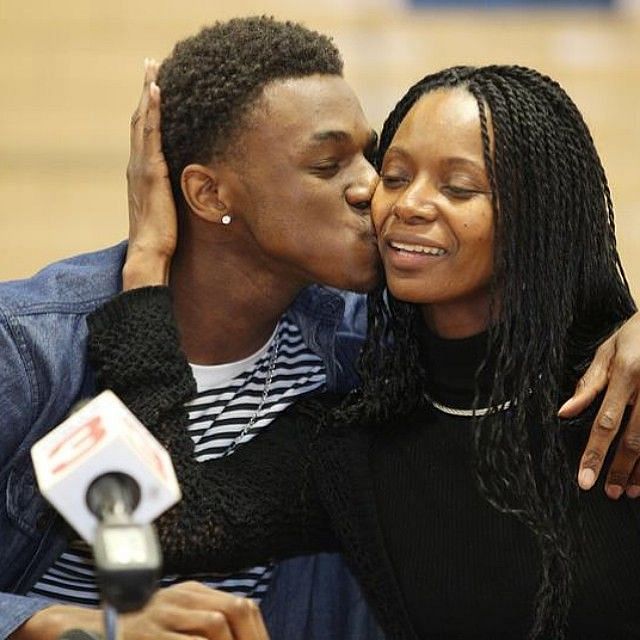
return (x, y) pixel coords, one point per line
(102, 437)
(114, 495)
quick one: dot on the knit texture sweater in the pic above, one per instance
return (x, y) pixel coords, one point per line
(433, 558)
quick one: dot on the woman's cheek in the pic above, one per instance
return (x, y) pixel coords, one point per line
(380, 211)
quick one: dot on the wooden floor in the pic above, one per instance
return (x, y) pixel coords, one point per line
(70, 74)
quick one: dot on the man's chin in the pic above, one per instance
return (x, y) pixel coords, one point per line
(366, 282)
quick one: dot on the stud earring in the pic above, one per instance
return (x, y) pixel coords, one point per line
(226, 219)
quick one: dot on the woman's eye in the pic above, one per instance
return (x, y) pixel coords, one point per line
(460, 193)
(393, 181)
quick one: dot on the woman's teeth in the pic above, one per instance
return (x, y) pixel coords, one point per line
(416, 248)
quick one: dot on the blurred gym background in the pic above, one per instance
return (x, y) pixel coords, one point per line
(70, 75)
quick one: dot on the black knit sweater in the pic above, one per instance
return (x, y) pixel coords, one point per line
(434, 560)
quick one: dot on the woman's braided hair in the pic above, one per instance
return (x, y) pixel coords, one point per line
(561, 291)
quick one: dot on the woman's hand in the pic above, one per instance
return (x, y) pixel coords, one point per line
(616, 366)
(184, 611)
(152, 211)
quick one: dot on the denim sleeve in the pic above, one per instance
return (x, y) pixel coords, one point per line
(17, 389)
(16, 610)
(15, 404)
(317, 598)
(354, 321)
(349, 339)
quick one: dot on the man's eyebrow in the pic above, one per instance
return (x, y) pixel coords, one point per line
(331, 134)
(337, 135)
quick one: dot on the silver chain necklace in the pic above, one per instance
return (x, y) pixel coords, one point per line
(467, 413)
(265, 392)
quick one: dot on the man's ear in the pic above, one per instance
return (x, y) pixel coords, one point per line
(206, 192)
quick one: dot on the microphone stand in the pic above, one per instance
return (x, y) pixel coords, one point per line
(127, 555)
(111, 622)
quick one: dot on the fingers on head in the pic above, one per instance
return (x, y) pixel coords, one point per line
(150, 75)
(151, 67)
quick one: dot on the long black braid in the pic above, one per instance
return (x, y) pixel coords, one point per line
(558, 288)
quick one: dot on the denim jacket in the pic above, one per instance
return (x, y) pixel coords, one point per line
(44, 372)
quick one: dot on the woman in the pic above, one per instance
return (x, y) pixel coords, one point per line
(495, 226)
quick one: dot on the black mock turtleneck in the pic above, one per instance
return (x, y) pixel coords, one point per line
(465, 570)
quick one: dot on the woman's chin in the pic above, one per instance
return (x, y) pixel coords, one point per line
(409, 292)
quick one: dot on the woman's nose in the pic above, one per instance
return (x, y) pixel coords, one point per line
(416, 205)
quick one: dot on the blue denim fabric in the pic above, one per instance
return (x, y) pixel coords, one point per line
(317, 598)
(44, 371)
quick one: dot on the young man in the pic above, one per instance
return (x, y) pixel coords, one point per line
(267, 150)
(268, 153)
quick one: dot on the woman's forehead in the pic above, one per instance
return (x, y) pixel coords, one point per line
(446, 121)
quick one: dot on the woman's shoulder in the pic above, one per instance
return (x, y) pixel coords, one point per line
(321, 417)
(317, 405)
(330, 412)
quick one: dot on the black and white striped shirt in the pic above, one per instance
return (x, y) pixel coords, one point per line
(229, 399)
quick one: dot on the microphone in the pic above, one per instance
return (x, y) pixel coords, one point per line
(109, 478)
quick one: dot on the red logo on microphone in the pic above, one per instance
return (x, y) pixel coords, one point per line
(77, 444)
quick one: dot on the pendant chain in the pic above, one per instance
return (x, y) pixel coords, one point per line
(265, 393)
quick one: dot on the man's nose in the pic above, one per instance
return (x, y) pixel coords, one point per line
(359, 194)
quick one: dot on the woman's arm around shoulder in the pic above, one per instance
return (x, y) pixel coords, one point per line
(249, 507)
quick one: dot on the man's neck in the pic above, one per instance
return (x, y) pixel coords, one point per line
(226, 306)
